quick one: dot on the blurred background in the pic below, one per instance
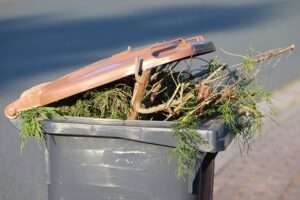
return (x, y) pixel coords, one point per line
(41, 40)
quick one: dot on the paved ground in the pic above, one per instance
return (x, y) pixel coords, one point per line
(271, 169)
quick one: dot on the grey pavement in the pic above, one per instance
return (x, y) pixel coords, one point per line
(271, 168)
(40, 40)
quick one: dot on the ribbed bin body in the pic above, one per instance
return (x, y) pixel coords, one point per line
(88, 168)
(98, 159)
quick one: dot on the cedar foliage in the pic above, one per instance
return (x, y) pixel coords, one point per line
(30, 123)
(217, 91)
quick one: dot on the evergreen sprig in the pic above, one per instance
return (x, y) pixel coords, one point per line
(187, 148)
(113, 103)
(31, 126)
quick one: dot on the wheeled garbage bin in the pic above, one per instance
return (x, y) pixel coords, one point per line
(91, 159)
(107, 159)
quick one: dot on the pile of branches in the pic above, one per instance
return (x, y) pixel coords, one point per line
(188, 96)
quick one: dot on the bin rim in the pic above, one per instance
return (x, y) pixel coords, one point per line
(214, 132)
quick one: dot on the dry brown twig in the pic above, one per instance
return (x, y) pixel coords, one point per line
(139, 89)
(205, 94)
(267, 55)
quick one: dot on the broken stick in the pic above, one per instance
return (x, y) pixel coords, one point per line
(139, 89)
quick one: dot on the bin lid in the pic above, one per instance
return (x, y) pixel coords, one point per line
(108, 70)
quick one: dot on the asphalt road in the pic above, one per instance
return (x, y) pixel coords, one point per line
(40, 40)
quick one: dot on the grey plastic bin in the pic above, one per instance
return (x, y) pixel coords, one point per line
(89, 159)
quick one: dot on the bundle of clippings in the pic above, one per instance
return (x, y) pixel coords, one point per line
(189, 96)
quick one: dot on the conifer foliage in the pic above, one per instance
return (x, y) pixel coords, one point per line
(173, 93)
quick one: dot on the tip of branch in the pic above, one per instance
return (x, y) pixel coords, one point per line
(292, 47)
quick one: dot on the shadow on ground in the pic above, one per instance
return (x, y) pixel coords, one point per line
(39, 44)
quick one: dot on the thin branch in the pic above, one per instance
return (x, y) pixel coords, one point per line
(273, 53)
(139, 90)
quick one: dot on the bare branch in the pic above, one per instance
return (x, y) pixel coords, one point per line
(139, 89)
(273, 53)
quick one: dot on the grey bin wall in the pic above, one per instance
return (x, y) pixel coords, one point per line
(113, 159)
